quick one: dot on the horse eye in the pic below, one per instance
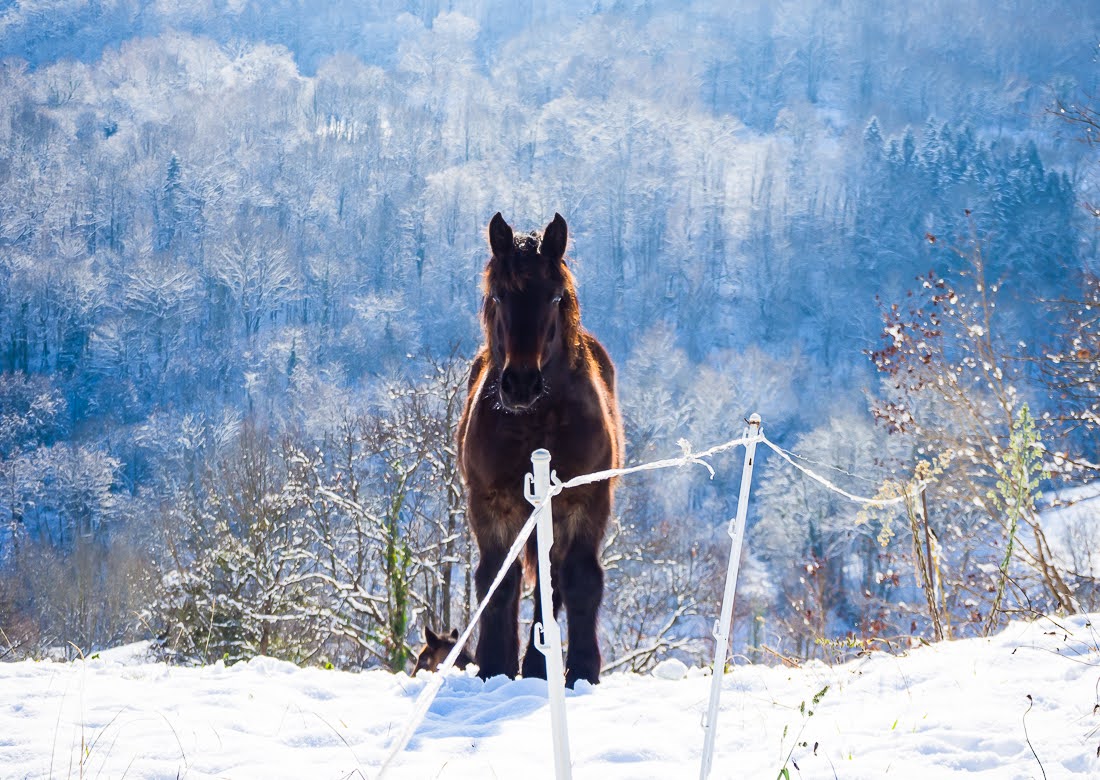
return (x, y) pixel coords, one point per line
(557, 300)
(495, 299)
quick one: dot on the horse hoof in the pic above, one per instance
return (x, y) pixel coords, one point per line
(486, 676)
(572, 679)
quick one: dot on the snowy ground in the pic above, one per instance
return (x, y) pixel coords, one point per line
(964, 708)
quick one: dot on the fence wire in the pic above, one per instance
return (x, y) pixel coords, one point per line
(431, 689)
(790, 458)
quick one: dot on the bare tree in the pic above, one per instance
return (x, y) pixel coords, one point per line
(955, 387)
(255, 271)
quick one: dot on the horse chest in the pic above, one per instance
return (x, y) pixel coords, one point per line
(571, 432)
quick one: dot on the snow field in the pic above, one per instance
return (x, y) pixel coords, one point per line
(956, 709)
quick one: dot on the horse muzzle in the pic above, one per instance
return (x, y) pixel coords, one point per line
(520, 388)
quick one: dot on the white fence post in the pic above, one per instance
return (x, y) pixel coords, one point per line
(547, 634)
(722, 625)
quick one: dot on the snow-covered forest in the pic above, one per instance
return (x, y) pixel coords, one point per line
(240, 249)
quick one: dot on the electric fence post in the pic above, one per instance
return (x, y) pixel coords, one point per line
(722, 626)
(547, 633)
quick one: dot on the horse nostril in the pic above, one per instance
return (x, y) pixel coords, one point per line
(509, 384)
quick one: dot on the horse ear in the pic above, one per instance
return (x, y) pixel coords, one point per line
(500, 236)
(454, 634)
(554, 238)
(431, 637)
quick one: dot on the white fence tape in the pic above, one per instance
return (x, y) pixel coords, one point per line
(787, 456)
(428, 693)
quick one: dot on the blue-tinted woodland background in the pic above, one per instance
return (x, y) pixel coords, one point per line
(240, 245)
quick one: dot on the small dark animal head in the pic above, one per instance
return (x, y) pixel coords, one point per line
(531, 317)
(437, 648)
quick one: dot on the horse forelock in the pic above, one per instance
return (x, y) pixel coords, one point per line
(518, 269)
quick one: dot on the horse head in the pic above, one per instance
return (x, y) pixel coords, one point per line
(530, 315)
(436, 649)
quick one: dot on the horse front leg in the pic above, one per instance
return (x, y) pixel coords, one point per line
(498, 640)
(534, 662)
(582, 591)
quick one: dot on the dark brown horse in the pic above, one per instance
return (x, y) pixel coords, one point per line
(540, 380)
(436, 649)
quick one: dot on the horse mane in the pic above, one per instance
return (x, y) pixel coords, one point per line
(512, 273)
